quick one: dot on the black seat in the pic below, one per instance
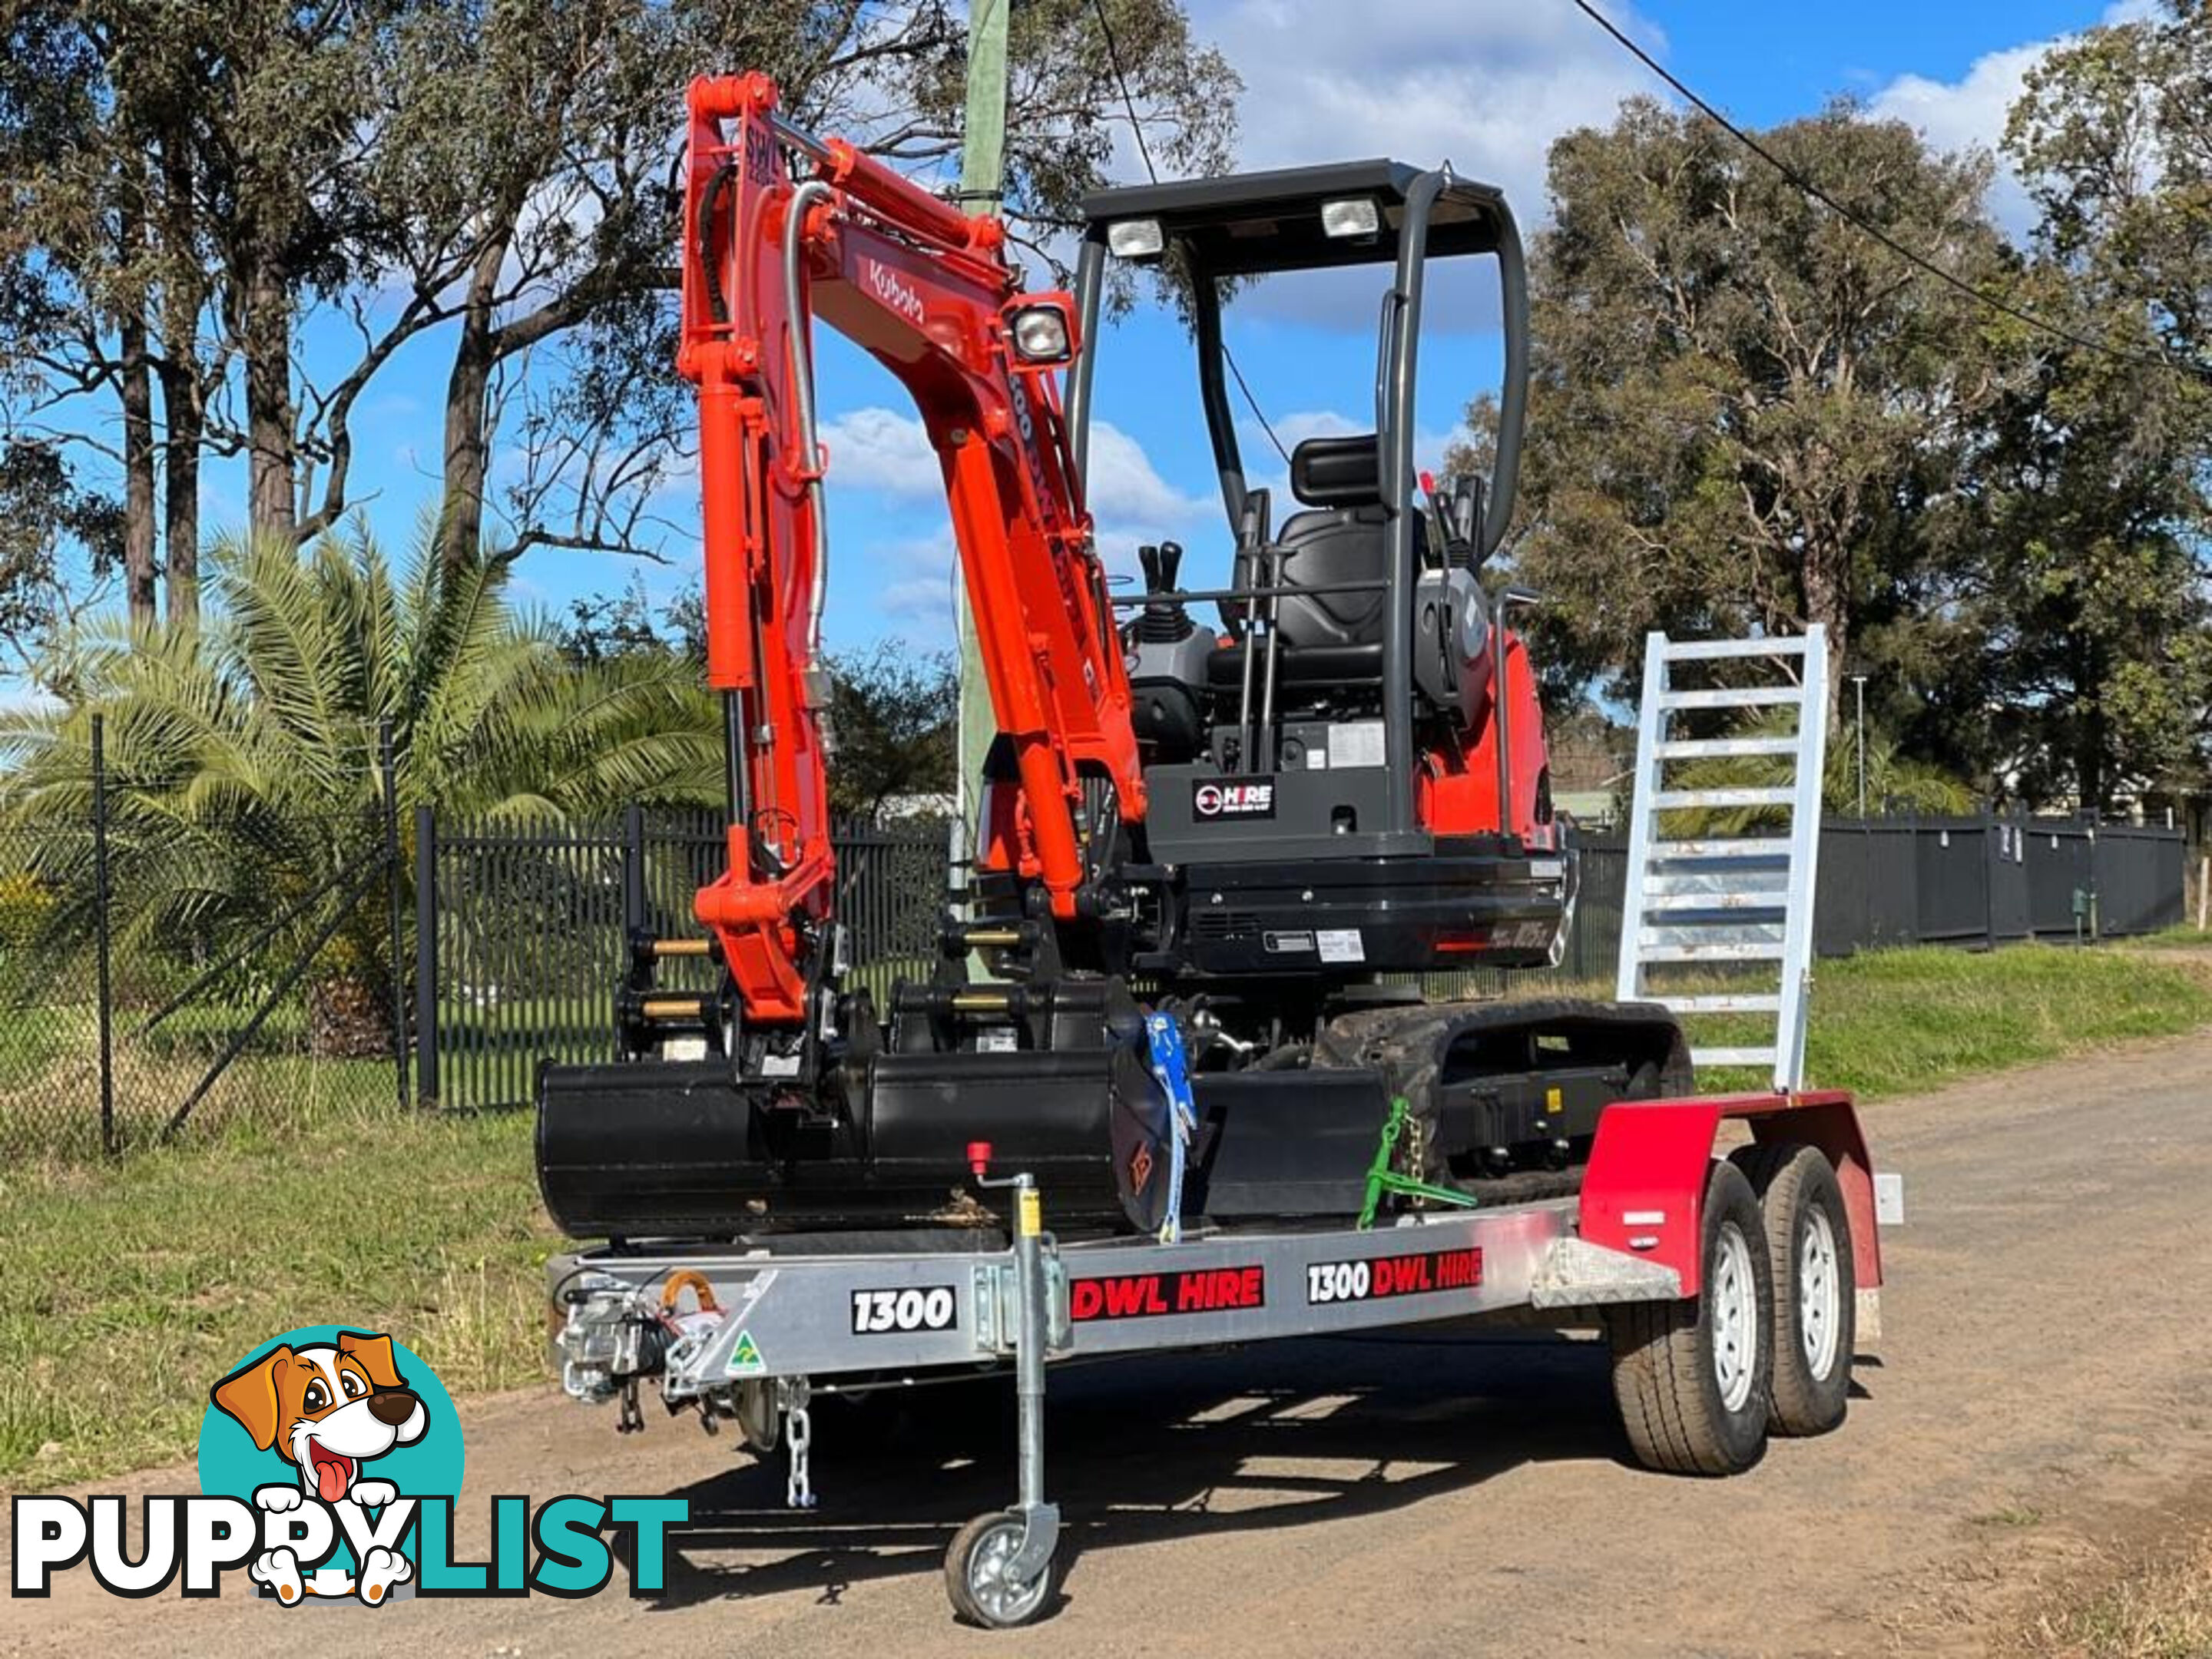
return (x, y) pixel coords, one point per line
(1344, 536)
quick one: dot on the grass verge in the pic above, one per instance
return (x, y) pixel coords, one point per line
(133, 1287)
(1900, 1022)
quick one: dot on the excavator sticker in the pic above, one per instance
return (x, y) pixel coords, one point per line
(1234, 798)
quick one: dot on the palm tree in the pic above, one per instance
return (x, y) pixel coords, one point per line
(1895, 783)
(243, 754)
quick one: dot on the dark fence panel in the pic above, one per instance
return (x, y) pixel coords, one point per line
(528, 928)
(525, 933)
(1869, 886)
(2057, 872)
(1951, 869)
(2137, 877)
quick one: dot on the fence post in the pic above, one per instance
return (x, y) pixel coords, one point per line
(1988, 879)
(635, 918)
(426, 958)
(100, 928)
(395, 945)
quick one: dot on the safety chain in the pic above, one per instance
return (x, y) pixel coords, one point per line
(799, 1437)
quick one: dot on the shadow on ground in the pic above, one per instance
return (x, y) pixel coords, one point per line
(1286, 1435)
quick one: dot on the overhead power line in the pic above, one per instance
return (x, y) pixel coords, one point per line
(1812, 188)
(1137, 128)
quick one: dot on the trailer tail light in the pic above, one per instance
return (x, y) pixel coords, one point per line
(1463, 944)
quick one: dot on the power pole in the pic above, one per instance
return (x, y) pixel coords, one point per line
(982, 186)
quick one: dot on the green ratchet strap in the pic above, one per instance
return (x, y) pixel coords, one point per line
(1382, 1178)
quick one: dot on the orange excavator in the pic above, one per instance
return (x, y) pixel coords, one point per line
(1225, 837)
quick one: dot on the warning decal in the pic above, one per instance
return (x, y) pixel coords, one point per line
(1149, 1296)
(1371, 1279)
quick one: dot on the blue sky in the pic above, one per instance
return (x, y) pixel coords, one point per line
(1484, 83)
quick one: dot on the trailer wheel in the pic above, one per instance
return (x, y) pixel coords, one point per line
(976, 1574)
(1808, 1242)
(1693, 1376)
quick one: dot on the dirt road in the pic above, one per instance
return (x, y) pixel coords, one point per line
(2044, 1395)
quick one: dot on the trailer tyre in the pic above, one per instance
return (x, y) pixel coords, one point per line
(1809, 1243)
(975, 1575)
(1693, 1376)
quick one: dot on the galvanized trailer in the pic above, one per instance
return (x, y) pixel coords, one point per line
(1734, 1291)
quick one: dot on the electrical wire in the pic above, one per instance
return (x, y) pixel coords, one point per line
(1813, 190)
(1137, 128)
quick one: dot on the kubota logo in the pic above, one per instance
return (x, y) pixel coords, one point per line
(894, 290)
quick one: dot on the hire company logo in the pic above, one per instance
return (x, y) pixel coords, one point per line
(330, 1463)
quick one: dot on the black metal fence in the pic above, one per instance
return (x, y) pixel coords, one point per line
(286, 999)
(522, 933)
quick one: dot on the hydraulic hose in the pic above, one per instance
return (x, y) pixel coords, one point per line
(802, 377)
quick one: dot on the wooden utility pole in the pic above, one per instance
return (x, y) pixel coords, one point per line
(983, 187)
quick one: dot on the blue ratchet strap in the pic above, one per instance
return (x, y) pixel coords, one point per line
(1170, 1067)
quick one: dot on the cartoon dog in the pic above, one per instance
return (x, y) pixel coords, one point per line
(328, 1409)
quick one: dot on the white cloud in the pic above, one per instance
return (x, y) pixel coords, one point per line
(1486, 87)
(1970, 112)
(1125, 488)
(881, 449)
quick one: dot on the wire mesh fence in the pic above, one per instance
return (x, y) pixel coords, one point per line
(167, 968)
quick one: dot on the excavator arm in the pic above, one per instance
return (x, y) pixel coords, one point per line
(782, 228)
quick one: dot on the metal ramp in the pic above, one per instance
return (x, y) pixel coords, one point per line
(1740, 903)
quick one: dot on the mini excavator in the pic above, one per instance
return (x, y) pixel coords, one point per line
(1224, 836)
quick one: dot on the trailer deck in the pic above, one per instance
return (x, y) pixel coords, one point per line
(750, 1330)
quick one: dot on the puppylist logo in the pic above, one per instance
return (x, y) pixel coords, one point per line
(330, 1463)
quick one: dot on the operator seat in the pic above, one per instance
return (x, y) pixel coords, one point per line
(1327, 642)
(1343, 536)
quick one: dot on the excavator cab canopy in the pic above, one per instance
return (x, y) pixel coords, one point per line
(1210, 233)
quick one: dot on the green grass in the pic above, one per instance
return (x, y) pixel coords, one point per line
(2182, 936)
(1901, 1022)
(132, 1286)
(1892, 1023)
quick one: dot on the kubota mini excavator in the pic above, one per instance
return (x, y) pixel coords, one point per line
(1264, 827)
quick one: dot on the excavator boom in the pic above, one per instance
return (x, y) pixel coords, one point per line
(783, 229)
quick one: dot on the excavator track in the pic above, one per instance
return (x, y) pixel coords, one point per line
(1504, 1090)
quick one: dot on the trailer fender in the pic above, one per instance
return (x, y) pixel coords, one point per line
(1644, 1192)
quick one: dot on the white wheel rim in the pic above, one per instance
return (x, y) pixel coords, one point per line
(1004, 1599)
(1734, 1319)
(1820, 1292)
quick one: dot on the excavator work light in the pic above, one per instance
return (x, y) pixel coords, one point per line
(1040, 334)
(1136, 239)
(1357, 217)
